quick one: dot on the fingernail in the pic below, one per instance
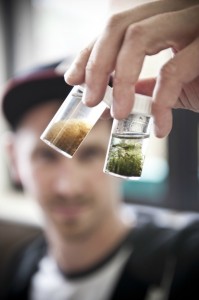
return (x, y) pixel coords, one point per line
(70, 72)
(67, 74)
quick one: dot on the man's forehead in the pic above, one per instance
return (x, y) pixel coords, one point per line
(40, 114)
(99, 133)
(36, 120)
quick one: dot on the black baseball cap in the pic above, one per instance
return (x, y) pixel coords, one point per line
(22, 92)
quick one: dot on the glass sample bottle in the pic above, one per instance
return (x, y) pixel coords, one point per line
(128, 141)
(73, 121)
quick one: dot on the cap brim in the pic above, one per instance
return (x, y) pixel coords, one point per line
(24, 92)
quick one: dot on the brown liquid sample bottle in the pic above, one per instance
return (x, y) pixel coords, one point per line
(73, 121)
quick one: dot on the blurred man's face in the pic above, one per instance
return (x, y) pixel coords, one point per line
(74, 193)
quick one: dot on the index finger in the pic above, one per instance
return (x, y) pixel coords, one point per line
(96, 66)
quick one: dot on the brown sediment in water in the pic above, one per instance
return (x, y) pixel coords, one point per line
(67, 135)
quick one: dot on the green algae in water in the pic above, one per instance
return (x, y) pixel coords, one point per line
(125, 155)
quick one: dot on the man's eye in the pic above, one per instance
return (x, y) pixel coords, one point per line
(90, 153)
(45, 154)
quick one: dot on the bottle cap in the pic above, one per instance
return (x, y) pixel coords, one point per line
(142, 104)
(107, 97)
(82, 86)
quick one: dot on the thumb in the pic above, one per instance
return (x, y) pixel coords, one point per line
(145, 86)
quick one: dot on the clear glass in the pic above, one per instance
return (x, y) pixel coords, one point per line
(127, 146)
(71, 124)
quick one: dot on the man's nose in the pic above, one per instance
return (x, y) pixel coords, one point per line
(69, 179)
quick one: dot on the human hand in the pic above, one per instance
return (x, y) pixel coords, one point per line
(120, 51)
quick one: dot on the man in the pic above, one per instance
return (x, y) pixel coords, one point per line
(89, 249)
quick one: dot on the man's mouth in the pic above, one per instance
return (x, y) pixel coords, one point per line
(69, 211)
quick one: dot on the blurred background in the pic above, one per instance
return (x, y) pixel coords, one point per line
(34, 32)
